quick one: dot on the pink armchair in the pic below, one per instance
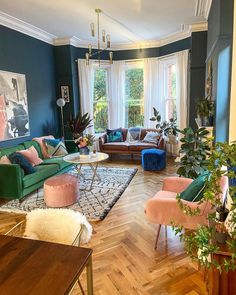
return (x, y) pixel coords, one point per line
(162, 209)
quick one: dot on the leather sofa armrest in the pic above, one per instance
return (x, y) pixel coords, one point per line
(161, 143)
(11, 181)
(102, 139)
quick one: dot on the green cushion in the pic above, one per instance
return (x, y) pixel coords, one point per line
(29, 143)
(43, 172)
(195, 190)
(10, 150)
(58, 160)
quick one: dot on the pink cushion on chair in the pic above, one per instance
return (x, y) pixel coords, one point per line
(61, 190)
(31, 155)
(40, 141)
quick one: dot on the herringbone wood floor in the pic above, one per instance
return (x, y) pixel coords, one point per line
(124, 259)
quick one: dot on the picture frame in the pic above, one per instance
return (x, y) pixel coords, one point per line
(65, 94)
(14, 114)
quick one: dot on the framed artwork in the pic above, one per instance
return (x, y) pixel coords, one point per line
(65, 93)
(14, 116)
(209, 80)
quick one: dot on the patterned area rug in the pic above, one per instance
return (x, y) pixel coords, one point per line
(94, 204)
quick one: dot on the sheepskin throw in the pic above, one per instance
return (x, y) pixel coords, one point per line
(57, 225)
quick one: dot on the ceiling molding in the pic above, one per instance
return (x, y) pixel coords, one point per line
(137, 45)
(202, 8)
(25, 28)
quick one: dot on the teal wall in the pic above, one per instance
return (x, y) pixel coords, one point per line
(219, 51)
(20, 53)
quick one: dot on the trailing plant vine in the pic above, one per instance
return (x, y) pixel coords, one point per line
(200, 243)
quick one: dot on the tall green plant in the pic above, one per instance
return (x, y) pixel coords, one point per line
(195, 148)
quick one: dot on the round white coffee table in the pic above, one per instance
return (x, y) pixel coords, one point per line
(91, 160)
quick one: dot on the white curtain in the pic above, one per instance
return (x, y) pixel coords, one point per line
(151, 90)
(86, 85)
(182, 88)
(116, 93)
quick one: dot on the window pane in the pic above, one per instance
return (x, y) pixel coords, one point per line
(100, 104)
(171, 80)
(134, 97)
(170, 109)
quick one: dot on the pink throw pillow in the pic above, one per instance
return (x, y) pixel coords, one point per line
(4, 160)
(31, 155)
(40, 141)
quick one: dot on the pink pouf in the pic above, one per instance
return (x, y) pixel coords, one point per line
(61, 190)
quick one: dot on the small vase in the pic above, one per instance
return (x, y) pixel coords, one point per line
(84, 151)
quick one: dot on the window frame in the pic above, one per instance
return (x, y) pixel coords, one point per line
(129, 65)
(107, 68)
(164, 65)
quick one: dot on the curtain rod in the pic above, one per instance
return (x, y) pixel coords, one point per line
(141, 59)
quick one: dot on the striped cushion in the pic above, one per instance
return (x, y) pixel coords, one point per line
(55, 147)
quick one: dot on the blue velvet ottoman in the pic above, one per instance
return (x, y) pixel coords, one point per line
(153, 159)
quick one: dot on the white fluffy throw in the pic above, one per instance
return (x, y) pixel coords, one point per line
(57, 225)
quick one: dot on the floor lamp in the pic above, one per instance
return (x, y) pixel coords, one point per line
(61, 102)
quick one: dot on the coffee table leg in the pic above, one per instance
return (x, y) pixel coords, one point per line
(90, 276)
(78, 169)
(94, 169)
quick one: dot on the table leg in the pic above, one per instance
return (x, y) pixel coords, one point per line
(78, 169)
(89, 270)
(94, 169)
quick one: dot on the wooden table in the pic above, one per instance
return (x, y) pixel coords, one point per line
(39, 268)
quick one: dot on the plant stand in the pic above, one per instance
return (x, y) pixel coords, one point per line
(221, 283)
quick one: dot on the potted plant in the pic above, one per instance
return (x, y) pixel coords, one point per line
(169, 129)
(195, 149)
(205, 111)
(79, 124)
(200, 244)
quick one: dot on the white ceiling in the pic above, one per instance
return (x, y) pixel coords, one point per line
(129, 22)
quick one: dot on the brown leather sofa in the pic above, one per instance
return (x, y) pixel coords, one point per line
(128, 148)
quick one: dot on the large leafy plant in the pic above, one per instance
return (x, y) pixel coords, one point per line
(200, 244)
(79, 124)
(195, 148)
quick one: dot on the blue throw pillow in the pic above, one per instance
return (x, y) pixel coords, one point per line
(17, 158)
(195, 191)
(114, 135)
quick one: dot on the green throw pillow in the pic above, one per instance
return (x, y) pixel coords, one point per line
(194, 192)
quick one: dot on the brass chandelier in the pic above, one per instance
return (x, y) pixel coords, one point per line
(103, 41)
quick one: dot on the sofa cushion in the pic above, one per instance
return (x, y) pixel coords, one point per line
(55, 147)
(10, 150)
(139, 146)
(57, 161)
(31, 155)
(19, 159)
(195, 191)
(29, 143)
(42, 172)
(114, 135)
(116, 146)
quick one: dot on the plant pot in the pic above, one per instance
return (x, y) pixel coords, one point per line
(84, 151)
(172, 138)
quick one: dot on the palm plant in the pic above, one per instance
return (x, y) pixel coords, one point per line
(79, 124)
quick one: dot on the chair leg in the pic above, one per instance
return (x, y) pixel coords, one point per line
(157, 237)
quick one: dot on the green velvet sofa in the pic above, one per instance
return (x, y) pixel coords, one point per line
(15, 185)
